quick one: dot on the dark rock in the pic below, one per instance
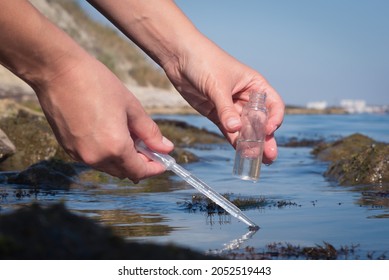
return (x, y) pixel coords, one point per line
(55, 233)
(356, 160)
(294, 142)
(51, 174)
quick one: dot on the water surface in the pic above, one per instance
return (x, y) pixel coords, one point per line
(318, 210)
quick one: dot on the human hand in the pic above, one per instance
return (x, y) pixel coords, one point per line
(96, 119)
(218, 86)
(213, 83)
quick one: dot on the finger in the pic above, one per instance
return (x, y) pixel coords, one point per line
(140, 124)
(270, 152)
(138, 166)
(228, 116)
(276, 109)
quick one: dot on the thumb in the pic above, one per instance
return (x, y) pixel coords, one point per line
(147, 130)
(153, 138)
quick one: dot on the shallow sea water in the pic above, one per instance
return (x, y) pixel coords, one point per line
(319, 211)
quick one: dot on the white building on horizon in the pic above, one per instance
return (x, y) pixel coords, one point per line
(318, 105)
(354, 106)
(351, 106)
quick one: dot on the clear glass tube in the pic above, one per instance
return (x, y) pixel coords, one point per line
(249, 146)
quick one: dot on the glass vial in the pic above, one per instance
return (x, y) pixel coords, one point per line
(249, 147)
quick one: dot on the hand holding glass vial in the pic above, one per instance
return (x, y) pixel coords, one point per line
(249, 147)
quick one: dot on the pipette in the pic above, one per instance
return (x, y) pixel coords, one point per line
(170, 164)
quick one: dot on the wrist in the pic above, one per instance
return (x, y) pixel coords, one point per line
(48, 60)
(52, 67)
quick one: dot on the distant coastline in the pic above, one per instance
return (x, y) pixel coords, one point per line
(296, 110)
(289, 110)
(158, 102)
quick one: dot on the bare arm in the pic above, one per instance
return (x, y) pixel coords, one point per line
(158, 27)
(92, 114)
(213, 82)
(31, 47)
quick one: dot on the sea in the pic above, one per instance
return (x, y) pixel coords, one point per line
(301, 207)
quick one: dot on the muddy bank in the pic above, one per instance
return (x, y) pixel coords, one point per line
(355, 160)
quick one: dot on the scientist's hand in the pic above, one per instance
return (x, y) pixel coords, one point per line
(218, 86)
(96, 119)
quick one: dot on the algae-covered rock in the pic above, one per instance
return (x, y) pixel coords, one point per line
(49, 233)
(30, 133)
(356, 160)
(45, 174)
(184, 134)
(342, 148)
(34, 140)
(183, 156)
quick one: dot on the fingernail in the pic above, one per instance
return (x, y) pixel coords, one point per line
(274, 151)
(271, 156)
(167, 142)
(233, 123)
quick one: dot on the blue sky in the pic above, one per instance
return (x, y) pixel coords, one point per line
(308, 50)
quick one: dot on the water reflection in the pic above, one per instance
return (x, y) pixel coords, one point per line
(131, 224)
(162, 183)
(374, 196)
(234, 244)
(218, 219)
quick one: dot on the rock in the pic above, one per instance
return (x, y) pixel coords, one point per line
(31, 135)
(356, 160)
(184, 134)
(35, 141)
(51, 233)
(295, 142)
(7, 148)
(183, 156)
(342, 148)
(51, 174)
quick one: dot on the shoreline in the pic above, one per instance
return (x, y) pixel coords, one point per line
(154, 101)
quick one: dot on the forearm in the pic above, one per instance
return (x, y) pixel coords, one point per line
(31, 46)
(157, 26)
